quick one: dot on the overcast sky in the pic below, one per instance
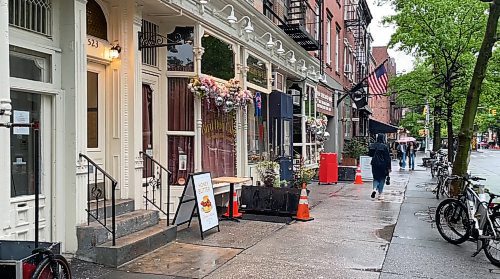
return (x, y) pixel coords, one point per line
(382, 34)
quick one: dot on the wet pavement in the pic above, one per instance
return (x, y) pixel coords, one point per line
(352, 236)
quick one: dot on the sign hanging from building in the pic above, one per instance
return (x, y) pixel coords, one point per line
(324, 101)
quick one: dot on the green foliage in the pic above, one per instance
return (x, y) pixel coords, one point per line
(355, 148)
(268, 174)
(413, 122)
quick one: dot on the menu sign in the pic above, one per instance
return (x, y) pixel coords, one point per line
(199, 194)
(324, 102)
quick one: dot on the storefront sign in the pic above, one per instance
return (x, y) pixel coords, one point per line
(257, 72)
(199, 194)
(324, 102)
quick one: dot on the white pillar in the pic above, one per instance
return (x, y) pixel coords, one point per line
(198, 53)
(74, 83)
(4, 102)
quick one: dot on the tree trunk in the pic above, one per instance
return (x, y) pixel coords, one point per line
(449, 128)
(467, 128)
(436, 141)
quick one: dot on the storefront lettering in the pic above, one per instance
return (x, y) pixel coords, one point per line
(218, 129)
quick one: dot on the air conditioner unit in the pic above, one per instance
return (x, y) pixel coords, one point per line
(278, 82)
(347, 68)
(295, 96)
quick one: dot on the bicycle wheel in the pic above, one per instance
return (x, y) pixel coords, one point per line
(492, 246)
(445, 188)
(452, 221)
(47, 269)
(439, 186)
(433, 171)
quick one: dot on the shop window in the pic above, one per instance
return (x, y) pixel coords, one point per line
(97, 25)
(32, 15)
(180, 57)
(180, 158)
(258, 136)
(27, 64)
(92, 110)
(257, 72)
(26, 109)
(218, 141)
(218, 58)
(147, 127)
(180, 105)
(149, 55)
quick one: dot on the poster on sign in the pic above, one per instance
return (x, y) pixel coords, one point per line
(198, 195)
(366, 167)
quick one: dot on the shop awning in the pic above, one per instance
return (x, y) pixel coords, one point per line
(376, 127)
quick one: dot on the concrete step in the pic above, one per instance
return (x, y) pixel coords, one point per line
(134, 245)
(128, 223)
(121, 207)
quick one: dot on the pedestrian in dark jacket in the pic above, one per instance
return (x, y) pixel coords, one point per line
(381, 165)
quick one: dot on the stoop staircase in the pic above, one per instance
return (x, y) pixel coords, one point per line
(115, 233)
(137, 232)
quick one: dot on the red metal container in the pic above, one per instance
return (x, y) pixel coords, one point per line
(328, 168)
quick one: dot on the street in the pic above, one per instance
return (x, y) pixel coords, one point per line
(351, 236)
(486, 163)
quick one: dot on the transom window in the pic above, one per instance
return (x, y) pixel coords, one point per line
(32, 15)
(28, 64)
(149, 55)
(97, 24)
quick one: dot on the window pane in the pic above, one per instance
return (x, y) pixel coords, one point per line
(180, 105)
(27, 64)
(180, 158)
(218, 58)
(96, 21)
(257, 129)
(26, 109)
(181, 57)
(218, 141)
(92, 110)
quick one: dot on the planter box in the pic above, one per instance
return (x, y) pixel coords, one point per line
(349, 161)
(269, 200)
(347, 173)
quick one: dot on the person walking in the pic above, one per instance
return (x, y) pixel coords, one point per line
(402, 150)
(412, 150)
(381, 165)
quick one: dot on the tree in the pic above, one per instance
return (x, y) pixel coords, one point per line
(442, 33)
(466, 130)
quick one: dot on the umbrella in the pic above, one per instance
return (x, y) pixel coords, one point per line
(406, 139)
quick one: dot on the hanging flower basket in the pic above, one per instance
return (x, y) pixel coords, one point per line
(317, 126)
(226, 96)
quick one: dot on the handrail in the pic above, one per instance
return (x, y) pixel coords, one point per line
(114, 184)
(154, 184)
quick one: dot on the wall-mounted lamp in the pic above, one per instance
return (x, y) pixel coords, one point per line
(323, 79)
(249, 27)
(292, 59)
(114, 51)
(231, 18)
(203, 2)
(270, 43)
(280, 50)
(303, 68)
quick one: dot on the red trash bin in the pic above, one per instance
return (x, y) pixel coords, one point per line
(328, 168)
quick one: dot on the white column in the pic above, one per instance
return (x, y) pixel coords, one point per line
(243, 126)
(336, 124)
(5, 103)
(198, 52)
(71, 208)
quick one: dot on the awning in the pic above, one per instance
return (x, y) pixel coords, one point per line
(376, 127)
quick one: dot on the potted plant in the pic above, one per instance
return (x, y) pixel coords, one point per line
(267, 173)
(353, 149)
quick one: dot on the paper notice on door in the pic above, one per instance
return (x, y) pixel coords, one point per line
(21, 117)
(183, 162)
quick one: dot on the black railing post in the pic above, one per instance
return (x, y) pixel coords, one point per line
(88, 193)
(113, 212)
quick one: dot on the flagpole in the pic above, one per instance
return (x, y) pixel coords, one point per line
(360, 84)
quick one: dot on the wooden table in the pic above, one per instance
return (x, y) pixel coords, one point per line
(231, 180)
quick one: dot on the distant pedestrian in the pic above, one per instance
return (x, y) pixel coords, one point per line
(381, 165)
(402, 150)
(412, 150)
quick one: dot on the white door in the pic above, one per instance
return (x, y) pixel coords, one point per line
(28, 147)
(96, 122)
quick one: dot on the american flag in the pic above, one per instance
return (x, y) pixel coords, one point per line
(377, 82)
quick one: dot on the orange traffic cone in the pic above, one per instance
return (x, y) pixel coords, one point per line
(358, 179)
(303, 209)
(236, 213)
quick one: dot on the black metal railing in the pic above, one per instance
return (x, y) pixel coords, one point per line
(153, 183)
(98, 181)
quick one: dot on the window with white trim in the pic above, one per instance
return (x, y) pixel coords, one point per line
(30, 65)
(328, 41)
(149, 55)
(31, 15)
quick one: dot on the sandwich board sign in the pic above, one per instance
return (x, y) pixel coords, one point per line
(365, 163)
(198, 195)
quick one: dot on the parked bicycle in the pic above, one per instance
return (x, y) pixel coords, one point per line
(51, 266)
(470, 216)
(443, 179)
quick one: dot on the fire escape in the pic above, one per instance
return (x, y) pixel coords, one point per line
(357, 19)
(301, 21)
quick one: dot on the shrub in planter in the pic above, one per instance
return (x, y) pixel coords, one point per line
(353, 149)
(268, 174)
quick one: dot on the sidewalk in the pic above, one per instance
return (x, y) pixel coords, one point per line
(417, 250)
